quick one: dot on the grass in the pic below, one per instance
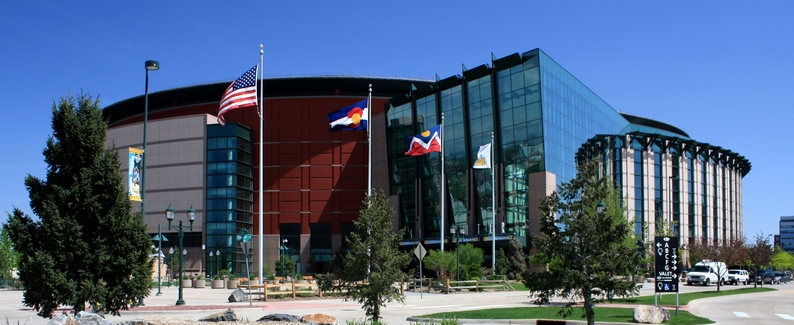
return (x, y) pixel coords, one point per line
(602, 314)
(685, 298)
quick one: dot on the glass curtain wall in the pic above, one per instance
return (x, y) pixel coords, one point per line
(402, 169)
(521, 133)
(572, 114)
(481, 126)
(457, 164)
(229, 205)
(430, 172)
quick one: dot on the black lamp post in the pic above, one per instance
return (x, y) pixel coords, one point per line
(283, 250)
(160, 239)
(218, 261)
(456, 232)
(191, 216)
(209, 263)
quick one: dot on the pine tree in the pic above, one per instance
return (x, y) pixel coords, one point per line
(86, 246)
(375, 261)
(584, 248)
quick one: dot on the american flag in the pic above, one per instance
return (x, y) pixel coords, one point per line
(241, 93)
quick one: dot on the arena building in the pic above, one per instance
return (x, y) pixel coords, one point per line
(542, 120)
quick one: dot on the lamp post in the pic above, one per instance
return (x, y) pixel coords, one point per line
(244, 238)
(159, 238)
(283, 251)
(170, 271)
(153, 66)
(191, 216)
(209, 264)
(456, 232)
(218, 261)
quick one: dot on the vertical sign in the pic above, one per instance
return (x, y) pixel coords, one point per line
(134, 179)
(665, 252)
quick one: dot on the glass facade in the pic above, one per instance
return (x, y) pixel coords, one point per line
(544, 121)
(539, 115)
(229, 204)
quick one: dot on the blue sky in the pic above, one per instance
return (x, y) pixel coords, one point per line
(720, 70)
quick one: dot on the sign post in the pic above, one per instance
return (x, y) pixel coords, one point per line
(666, 270)
(420, 253)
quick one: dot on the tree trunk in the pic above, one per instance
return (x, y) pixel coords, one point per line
(589, 308)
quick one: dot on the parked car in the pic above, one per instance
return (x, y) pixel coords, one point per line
(785, 277)
(771, 277)
(738, 276)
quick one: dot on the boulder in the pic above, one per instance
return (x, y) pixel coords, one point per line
(279, 318)
(319, 319)
(62, 319)
(226, 316)
(651, 315)
(238, 296)
(86, 318)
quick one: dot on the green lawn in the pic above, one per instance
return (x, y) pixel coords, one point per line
(668, 299)
(602, 313)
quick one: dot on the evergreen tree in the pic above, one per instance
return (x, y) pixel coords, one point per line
(583, 247)
(86, 246)
(375, 257)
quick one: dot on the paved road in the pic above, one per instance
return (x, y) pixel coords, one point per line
(202, 302)
(775, 307)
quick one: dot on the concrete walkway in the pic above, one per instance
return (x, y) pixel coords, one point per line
(206, 301)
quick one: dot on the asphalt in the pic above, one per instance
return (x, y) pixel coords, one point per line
(200, 302)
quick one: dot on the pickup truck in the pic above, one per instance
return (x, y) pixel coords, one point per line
(738, 276)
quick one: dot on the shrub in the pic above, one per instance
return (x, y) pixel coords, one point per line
(216, 277)
(232, 276)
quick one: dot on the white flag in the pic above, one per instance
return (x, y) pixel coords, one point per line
(483, 157)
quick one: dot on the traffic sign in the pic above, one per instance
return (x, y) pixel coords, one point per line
(667, 272)
(420, 252)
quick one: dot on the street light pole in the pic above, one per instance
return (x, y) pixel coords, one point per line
(209, 264)
(283, 251)
(153, 66)
(218, 261)
(191, 216)
(456, 232)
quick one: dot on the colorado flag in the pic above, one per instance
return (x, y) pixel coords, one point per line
(351, 118)
(425, 142)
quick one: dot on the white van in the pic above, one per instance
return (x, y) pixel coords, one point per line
(705, 273)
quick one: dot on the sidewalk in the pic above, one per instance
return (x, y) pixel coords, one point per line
(205, 301)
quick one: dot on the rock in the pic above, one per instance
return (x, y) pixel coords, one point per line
(62, 319)
(279, 318)
(651, 315)
(86, 318)
(226, 316)
(155, 320)
(319, 319)
(238, 296)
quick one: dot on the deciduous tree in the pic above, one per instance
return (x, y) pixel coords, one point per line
(586, 242)
(759, 253)
(86, 245)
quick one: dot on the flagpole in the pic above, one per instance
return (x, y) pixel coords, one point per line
(493, 207)
(443, 196)
(369, 141)
(261, 164)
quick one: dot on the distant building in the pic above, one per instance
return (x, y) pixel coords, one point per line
(786, 235)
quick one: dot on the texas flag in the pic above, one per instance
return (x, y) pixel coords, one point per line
(351, 118)
(425, 142)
